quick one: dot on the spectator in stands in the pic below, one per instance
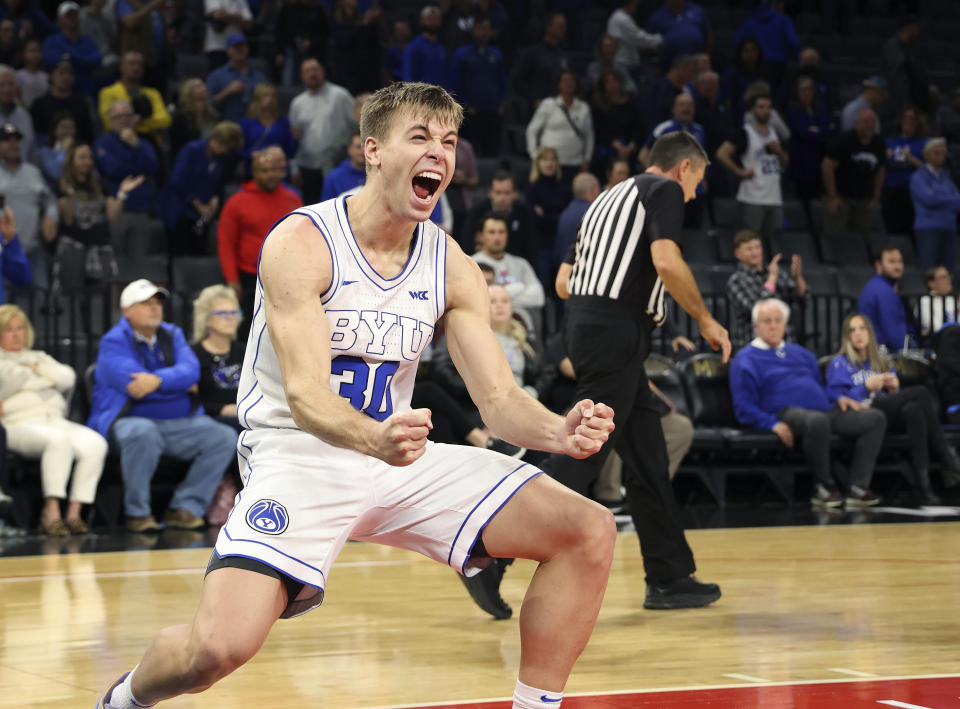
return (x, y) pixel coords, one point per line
(747, 68)
(478, 77)
(225, 20)
(216, 317)
(51, 156)
(32, 202)
(142, 404)
(9, 43)
(13, 113)
(14, 265)
(245, 220)
(714, 116)
(751, 283)
(563, 122)
(881, 302)
(811, 127)
(357, 72)
(756, 156)
(32, 80)
(513, 272)
(122, 153)
(617, 172)
(774, 30)
(586, 188)
(547, 195)
(425, 58)
(936, 203)
(537, 67)
(658, 95)
(188, 201)
(808, 66)
(854, 170)
(99, 23)
(62, 99)
(349, 174)
(35, 389)
(684, 26)
(502, 200)
(904, 69)
(904, 157)
(86, 211)
(82, 52)
(302, 30)
(232, 84)
(195, 116)
(873, 96)
(682, 119)
(459, 20)
(141, 28)
(606, 61)
(400, 36)
(323, 108)
(148, 104)
(939, 305)
(616, 121)
(861, 372)
(466, 177)
(263, 125)
(28, 19)
(776, 386)
(622, 26)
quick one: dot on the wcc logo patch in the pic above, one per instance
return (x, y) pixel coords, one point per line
(268, 517)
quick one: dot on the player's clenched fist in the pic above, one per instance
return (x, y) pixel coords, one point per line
(586, 428)
(402, 438)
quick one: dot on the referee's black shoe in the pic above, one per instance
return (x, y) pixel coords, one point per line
(685, 592)
(484, 589)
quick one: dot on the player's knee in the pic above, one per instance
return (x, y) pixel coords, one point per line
(212, 659)
(597, 533)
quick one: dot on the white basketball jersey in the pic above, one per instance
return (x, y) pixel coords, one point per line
(764, 186)
(378, 326)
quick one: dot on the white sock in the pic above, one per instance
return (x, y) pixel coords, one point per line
(122, 697)
(525, 697)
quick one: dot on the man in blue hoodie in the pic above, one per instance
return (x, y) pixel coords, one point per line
(880, 301)
(777, 386)
(349, 174)
(775, 33)
(142, 404)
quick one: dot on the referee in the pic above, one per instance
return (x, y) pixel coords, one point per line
(626, 257)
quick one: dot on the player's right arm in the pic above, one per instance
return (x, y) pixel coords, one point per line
(296, 269)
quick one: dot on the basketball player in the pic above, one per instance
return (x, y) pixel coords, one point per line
(349, 292)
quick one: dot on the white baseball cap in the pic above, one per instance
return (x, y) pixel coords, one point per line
(68, 6)
(139, 291)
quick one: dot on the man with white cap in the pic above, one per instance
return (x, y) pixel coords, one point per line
(142, 404)
(82, 52)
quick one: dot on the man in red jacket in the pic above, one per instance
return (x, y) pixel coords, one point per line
(245, 220)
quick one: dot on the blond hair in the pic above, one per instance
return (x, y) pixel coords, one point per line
(541, 153)
(228, 134)
(515, 328)
(196, 112)
(203, 305)
(421, 100)
(255, 111)
(8, 312)
(876, 360)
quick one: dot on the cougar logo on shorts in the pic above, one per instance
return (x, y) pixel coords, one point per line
(268, 516)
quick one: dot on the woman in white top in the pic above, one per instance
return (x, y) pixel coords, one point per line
(563, 122)
(34, 389)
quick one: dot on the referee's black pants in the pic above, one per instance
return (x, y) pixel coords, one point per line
(607, 349)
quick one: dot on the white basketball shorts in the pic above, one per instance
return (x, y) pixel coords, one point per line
(303, 499)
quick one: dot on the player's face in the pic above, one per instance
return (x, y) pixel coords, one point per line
(416, 163)
(493, 237)
(691, 175)
(750, 253)
(858, 334)
(771, 325)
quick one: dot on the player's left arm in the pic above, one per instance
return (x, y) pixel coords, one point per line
(509, 411)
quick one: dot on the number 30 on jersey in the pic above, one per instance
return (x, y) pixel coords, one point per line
(366, 385)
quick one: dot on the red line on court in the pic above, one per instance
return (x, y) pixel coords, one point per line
(933, 693)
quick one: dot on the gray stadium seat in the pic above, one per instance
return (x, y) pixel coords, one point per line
(798, 242)
(191, 274)
(844, 249)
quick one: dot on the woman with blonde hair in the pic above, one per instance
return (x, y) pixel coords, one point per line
(34, 390)
(195, 116)
(216, 316)
(862, 372)
(264, 126)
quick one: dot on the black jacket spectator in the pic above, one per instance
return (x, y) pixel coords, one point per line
(62, 99)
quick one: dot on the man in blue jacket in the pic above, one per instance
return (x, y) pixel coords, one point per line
(349, 174)
(82, 52)
(936, 202)
(777, 386)
(142, 404)
(880, 301)
(14, 265)
(123, 153)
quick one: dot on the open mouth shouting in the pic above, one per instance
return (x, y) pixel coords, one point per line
(426, 184)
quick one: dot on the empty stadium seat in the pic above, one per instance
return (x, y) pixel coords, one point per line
(699, 246)
(844, 249)
(797, 242)
(726, 212)
(191, 274)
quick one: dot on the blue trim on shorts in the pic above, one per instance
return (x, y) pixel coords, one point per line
(482, 500)
(267, 563)
(495, 512)
(292, 558)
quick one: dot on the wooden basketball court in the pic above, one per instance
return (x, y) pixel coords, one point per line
(810, 617)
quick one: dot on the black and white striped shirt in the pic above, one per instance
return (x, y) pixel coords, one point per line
(612, 252)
